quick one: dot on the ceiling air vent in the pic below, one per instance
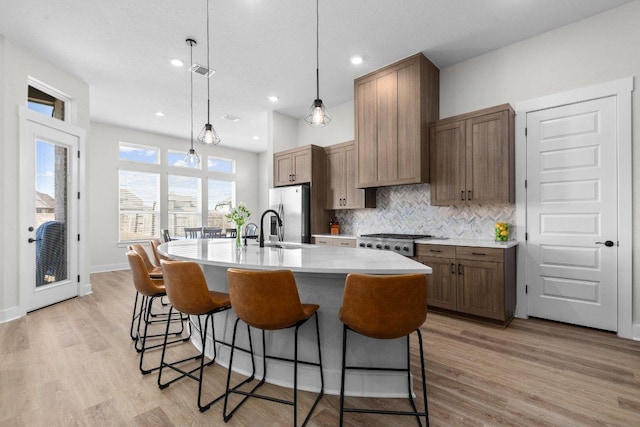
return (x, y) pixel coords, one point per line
(202, 70)
(230, 117)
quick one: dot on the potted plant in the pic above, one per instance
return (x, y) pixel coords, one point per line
(239, 215)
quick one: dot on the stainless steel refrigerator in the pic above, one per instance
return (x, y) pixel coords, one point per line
(292, 205)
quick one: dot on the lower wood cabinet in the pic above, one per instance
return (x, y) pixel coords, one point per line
(345, 242)
(471, 280)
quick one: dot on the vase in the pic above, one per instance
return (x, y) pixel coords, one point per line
(238, 236)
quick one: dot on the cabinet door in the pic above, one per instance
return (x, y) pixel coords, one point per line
(282, 169)
(366, 133)
(387, 126)
(354, 197)
(447, 143)
(481, 288)
(408, 142)
(335, 178)
(301, 161)
(441, 283)
(487, 169)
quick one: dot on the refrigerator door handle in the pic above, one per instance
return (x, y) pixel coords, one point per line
(281, 229)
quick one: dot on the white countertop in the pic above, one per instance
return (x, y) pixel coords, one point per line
(302, 258)
(335, 236)
(468, 242)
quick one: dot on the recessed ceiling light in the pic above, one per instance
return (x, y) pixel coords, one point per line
(159, 114)
(256, 137)
(356, 60)
(273, 98)
(177, 63)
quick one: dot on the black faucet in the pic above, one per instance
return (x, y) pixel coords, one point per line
(262, 224)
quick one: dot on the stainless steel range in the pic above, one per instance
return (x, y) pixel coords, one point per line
(403, 244)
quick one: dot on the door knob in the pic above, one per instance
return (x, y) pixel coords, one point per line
(31, 240)
(608, 243)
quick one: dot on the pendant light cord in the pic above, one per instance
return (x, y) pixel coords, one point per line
(208, 70)
(191, 44)
(317, 49)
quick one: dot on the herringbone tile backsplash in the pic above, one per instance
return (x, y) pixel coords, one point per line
(406, 209)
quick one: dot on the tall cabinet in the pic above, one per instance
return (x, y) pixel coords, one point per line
(473, 158)
(341, 179)
(393, 107)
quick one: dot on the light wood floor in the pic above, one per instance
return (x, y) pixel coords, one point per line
(74, 364)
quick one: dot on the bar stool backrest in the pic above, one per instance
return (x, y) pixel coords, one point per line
(265, 299)
(154, 243)
(140, 276)
(384, 307)
(140, 250)
(187, 287)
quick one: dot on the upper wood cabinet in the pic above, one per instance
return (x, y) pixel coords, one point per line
(341, 179)
(393, 107)
(472, 158)
(294, 166)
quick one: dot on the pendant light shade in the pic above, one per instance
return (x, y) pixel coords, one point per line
(317, 115)
(192, 159)
(208, 134)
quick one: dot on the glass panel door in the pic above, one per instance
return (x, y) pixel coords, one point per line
(51, 213)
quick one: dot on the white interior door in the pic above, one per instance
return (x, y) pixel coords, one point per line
(48, 211)
(572, 213)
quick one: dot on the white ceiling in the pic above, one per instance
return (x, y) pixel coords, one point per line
(122, 50)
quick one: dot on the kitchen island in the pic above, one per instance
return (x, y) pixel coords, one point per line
(320, 273)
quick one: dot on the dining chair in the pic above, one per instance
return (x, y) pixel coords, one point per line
(211, 232)
(192, 232)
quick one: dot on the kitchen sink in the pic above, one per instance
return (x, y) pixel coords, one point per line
(282, 245)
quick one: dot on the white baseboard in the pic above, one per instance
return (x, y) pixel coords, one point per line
(636, 332)
(107, 267)
(11, 313)
(84, 289)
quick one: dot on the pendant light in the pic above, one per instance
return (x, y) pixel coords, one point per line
(317, 115)
(208, 134)
(192, 159)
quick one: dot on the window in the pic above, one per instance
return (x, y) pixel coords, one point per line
(139, 205)
(156, 193)
(139, 153)
(45, 103)
(217, 164)
(220, 201)
(185, 207)
(176, 158)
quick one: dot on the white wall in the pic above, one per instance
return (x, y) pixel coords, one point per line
(598, 49)
(105, 253)
(17, 66)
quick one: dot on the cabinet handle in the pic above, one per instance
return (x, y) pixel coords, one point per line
(460, 269)
(462, 195)
(435, 250)
(453, 268)
(478, 253)
(469, 195)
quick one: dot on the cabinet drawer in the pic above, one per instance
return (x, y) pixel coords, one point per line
(480, 254)
(345, 243)
(436, 251)
(322, 241)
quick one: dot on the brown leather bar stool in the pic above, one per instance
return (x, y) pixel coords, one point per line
(155, 273)
(149, 290)
(269, 300)
(154, 243)
(188, 293)
(385, 307)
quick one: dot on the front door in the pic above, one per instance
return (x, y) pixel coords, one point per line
(48, 211)
(572, 213)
